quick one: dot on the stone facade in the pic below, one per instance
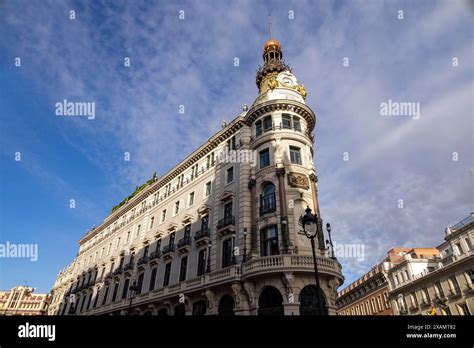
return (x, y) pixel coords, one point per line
(366, 296)
(219, 233)
(441, 285)
(21, 300)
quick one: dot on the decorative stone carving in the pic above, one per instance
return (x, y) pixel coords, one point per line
(298, 180)
(250, 289)
(288, 281)
(237, 289)
(278, 151)
(210, 295)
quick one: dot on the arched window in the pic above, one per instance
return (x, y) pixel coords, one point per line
(163, 312)
(199, 307)
(226, 305)
(179, 310)
(310, 301)
(267, 199)
(270, 302)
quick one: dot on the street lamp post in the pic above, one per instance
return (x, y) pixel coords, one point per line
(209, 245)
(328, 228)
(311, 230)
(133, 288)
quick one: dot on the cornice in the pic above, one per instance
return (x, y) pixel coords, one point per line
(193, 158)
(283, 105)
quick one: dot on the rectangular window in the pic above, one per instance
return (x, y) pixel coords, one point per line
(140, 283)
(152, 279)
(114, 295)
(163, 216)
(228, 210)
(191, 199)
(172, 236)
(230, 175)
(138, 230)
(201, 262)
(176, 208)
(286, 121)
(158, 245)
(269, 241)
(226, 253)
(187, 231)
(183, 268)
(166, 279)
(106, 294)
(267, 123)
(208, 189)
(264, 158)
(258, 128)
(231, 143)
(296, 124)
(459, 249)
(204, 222)
(152, 221)
(125, 288)
(295, 155)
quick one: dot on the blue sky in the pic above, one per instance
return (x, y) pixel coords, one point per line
(190, 62)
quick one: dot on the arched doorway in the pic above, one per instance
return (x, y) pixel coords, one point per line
(309, 302)
(179, 310)
(148, 313)
(226, 305)
(270, 302)
(199, 307)
(163, 312)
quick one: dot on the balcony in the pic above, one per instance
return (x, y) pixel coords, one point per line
(267, 204)
(118, 271)
(109, 276)
(469, 289)
(300, 263)
(202, 236)
(142, 262)
(425, 303)
(184, 245)
(129, 267)
(453, 294)
(440, 299)
(154, 257)
(226, 225)
(168, 251)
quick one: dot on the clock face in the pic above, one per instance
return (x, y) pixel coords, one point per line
(287, 79)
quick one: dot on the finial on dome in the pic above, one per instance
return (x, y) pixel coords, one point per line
(271, 44)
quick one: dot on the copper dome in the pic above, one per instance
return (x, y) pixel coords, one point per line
(272, 44)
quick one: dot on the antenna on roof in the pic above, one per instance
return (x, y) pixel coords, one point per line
(270, 24)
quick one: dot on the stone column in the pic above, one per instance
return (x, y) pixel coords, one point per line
(280, 172)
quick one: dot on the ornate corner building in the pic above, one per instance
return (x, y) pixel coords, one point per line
(220, 232)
